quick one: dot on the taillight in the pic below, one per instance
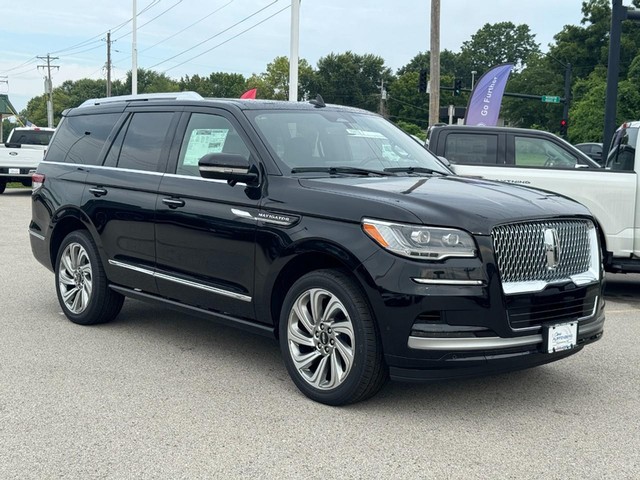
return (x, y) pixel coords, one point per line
(37, 180)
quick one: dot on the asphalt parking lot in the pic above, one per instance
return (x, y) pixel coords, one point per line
(157, 394)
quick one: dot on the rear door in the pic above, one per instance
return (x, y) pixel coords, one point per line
(206, 229)
(120, 196)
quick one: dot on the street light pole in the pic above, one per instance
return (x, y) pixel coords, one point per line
(134, 52)
(434, 93)
(293, 57)
(473, 78)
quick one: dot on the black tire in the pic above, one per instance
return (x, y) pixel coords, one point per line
(327, 373)
(81, 283)
(3, 185)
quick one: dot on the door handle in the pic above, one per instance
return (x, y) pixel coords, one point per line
(173, 202)
(98, 192)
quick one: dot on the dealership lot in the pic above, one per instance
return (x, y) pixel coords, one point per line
(157, 394)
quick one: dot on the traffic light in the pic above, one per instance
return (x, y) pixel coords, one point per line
(422, 83)
(457, 86)
(563, 127)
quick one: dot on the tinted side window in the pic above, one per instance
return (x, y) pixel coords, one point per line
(208, 134)
(539, 152)
(143, 142)
(623, 150)
(80, 139)
(474, 149)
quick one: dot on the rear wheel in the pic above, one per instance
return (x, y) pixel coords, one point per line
(3, 185)
(329, 341)
(81, 283)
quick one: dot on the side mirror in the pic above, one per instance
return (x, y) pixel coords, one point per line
(13, 145)
(444, 160)
(231, 167)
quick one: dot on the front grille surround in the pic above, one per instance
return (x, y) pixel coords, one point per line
(525, 263)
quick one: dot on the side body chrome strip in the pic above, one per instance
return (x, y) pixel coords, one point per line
(188, 283)
(477, 343)
(437, 281)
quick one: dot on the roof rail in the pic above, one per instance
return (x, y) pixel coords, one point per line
(142, 97)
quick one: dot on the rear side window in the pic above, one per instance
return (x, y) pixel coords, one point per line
(143, 142)
(80, 139)
(471, 149)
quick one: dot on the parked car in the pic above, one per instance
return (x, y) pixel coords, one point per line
(323, 226)
(593, 150)
(542, 160)
(21, 154)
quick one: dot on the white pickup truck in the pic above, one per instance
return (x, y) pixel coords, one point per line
(542, 160)
(21, 154)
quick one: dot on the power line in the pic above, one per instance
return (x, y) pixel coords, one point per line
(151, 20)
(188, 27)
(228, 40)
(31, 60)
(97, 38)
(214, 36)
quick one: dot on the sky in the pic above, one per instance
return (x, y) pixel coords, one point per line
(187, 37)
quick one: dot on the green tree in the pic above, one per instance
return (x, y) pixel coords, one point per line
(150, 81)
(405, 103)
(539, 77)
(352, 79)
(498, 43)
(217, 84)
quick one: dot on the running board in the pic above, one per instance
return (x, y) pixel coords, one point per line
(219, 318)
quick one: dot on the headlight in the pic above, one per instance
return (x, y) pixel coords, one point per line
(428, 243)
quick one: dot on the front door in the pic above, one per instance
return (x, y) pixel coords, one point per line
(206, 229)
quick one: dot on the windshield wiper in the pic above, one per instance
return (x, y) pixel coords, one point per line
(415, 170)
(343, 170)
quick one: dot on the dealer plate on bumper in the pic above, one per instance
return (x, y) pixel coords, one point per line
(14, 171)
(562, 336)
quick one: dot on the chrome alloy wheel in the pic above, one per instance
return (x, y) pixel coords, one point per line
(75, 279)
(321, 339)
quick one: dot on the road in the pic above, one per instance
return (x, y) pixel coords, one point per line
(156, 394)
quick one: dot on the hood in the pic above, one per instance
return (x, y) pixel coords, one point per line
(472, 204)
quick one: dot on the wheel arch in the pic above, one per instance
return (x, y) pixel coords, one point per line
(307, 258)
(65, 222)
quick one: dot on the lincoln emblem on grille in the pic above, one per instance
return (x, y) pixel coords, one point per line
(552, 248)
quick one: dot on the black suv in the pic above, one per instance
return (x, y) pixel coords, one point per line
(324, 226)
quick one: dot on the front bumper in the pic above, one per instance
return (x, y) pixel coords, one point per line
(480, 329)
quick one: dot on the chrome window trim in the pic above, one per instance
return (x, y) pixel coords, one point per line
(188, 283)
(474, 343)
(37, 235)
(102, 167)
(437, 281)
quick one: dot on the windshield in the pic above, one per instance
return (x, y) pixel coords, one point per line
(329, 138)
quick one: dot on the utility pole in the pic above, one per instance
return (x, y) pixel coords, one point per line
(383, 97)
(434, 95)
(3, 79)
(48, 86)
(294, 54)
(109, 64)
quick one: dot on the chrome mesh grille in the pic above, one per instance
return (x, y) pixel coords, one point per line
(522, 257)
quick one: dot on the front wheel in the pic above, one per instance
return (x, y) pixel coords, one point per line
(81, 284)
(329, 341)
